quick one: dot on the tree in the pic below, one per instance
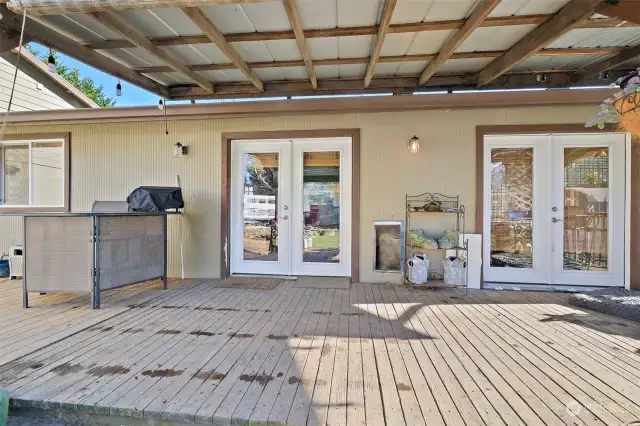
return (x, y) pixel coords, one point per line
(85, 84)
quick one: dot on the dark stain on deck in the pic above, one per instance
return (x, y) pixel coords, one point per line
(101, 329)
(108, 370)
(403, 387)
(261, 379)
(168, 332)
(162, 373)
(172, 307)
(66, 369)
(321, 313)
(277, 337)
(210, 375)
(203, 308)
(240, 335)
(202, 333)
(352, 314)
(293, 380)
(36, 365)
(326, 348)
(132, 331)
(228, 309)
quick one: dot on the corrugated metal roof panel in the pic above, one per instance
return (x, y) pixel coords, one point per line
(134, 57)
(165, 22)
(282, 50)
(455, 66)
(443, 10)
(601, 37)
(352, 70)
(323, 48)
(317, 14)
(421, 43)
(253, 51)
(540, 63)
(198, 54)
(78, 26)
(495, 38)
(266, 16)
(355, 46)
(387, 69)
(409, 11)
(324, 72)
(528, 7)
(229, 18)
(223, 76)
(412, 68)
(356, 13)
(295, 73)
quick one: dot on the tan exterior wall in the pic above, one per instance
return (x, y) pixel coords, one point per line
(109, 160)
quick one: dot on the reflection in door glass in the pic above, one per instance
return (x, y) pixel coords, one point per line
(511, 207)
(586, 202)
(260, 206)
(321, 204)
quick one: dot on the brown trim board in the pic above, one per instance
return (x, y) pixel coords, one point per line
(225, 202)
(67, 172)
(482, 131)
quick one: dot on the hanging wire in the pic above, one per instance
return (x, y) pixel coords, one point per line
(15, 78)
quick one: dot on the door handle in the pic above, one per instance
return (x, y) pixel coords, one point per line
(285, 217)
(555, 220)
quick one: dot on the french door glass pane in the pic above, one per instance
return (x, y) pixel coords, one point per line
(586, 206)
(511, 207)
(260, 206)
(321, 204)
(16, 175)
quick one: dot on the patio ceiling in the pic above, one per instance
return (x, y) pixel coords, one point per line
(254, 48)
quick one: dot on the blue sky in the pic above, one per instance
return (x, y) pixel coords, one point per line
(131, 95)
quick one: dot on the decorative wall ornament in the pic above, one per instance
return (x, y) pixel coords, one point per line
(623, 108)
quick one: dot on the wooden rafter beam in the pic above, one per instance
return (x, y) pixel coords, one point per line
(50, 38)
(383, 29)
(294, 19)
(357, 31)
(87, 6)
(388, 59)
(480, 13)
(626, 10)
(556, 79)
(200, 19)
(118, 25)
(609, 63)
(563, 21)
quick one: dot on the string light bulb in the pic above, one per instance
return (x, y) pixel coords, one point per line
(118, 89)
(413, 145)
(161, 105)
(51, 61)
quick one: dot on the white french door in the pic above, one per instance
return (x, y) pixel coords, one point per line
(291, 207)
(554, 209)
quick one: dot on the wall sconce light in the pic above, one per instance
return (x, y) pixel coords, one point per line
(413, 145)
(179, 150)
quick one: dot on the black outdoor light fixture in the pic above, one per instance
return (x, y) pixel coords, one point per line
(179, 150)
(413, 144)
(118, 89)
(51, 61)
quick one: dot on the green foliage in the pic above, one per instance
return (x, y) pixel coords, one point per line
(85, 84)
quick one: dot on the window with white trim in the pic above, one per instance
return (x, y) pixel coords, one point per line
(32, 173)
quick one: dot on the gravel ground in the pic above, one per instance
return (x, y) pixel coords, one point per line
(619, 302)
(31, 421)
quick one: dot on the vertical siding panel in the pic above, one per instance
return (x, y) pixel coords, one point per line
(109, 160)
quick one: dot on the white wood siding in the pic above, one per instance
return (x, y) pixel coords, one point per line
(28, 95)
(109, 160)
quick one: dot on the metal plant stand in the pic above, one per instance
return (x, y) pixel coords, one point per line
(429, 207)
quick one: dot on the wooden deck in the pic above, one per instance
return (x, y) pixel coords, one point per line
(374, 354)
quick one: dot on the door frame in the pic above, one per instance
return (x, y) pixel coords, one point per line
(632, 184)
(226, 182)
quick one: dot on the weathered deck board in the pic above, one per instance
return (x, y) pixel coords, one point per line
(371, 354)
